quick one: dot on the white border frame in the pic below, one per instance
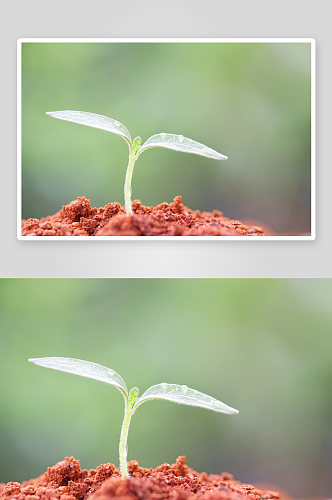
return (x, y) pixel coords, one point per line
(312, 41)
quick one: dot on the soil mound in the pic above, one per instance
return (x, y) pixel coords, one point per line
(167, 219)
(66, 481)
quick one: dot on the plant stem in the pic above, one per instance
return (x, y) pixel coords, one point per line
(127, 185)
(123, 448)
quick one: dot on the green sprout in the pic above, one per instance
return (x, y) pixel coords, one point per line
(180, 394)
(168, 141)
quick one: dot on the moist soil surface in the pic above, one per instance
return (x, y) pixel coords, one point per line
(167, 219)
(66, 481)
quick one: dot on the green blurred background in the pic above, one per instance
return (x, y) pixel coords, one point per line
(249, 101)
(261, 346)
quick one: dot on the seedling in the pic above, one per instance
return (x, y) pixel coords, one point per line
(170, 392)
(168, 141)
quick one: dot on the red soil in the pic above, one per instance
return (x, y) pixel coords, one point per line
(167, 219)
(66, 481)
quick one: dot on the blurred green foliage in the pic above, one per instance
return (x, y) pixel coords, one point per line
(249, 101)
(261, 346)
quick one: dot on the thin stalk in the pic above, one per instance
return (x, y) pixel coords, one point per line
(123, 448)
(127, 185)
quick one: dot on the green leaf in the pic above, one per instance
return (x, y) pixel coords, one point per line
(93, 120)
(184, 395)
(84, 369)
(180, 143)
(136, 143)
(133, 395)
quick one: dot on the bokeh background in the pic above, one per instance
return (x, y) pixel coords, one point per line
(261, 346)
(249, 101)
